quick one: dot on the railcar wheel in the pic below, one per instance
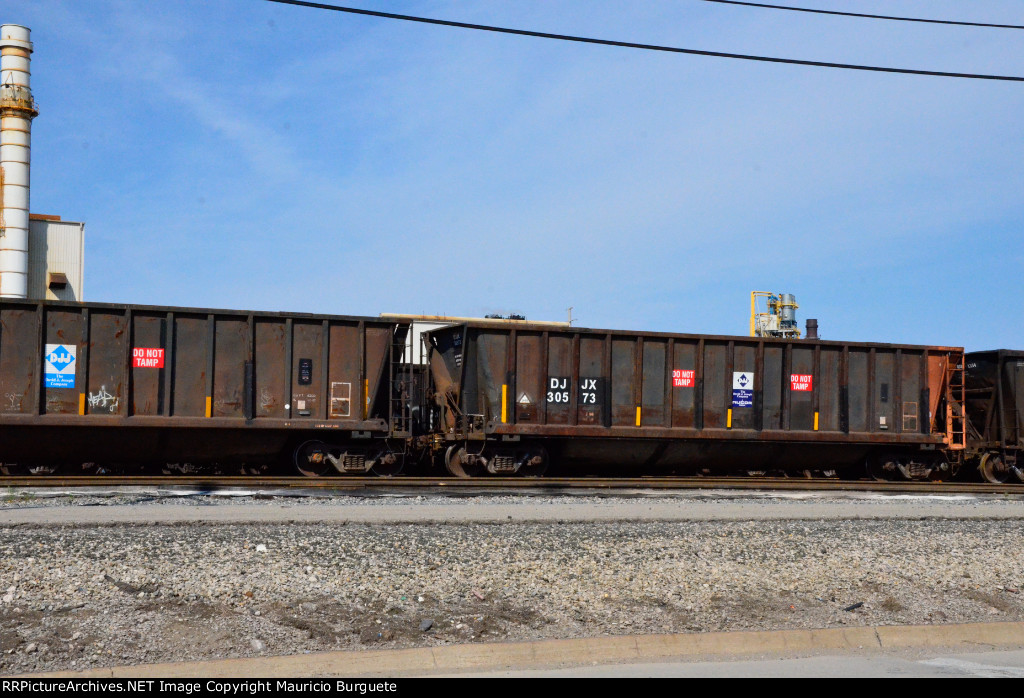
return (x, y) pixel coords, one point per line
(453, 461)
(311, 458)
(388, 463)
(532, 469)
(993, 469)
(880, 468)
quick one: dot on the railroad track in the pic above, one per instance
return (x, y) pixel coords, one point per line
(492, 484)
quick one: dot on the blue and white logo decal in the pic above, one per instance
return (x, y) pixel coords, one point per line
(59, 366)
(743, 389)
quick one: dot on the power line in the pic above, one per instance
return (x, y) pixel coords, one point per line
(646, 47)
(867, 16)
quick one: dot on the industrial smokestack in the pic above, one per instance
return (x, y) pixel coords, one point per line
(17, 109)
(812, 329)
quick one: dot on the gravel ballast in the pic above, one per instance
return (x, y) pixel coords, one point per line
(74, 596)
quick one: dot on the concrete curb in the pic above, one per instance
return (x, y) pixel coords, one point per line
(601, 650)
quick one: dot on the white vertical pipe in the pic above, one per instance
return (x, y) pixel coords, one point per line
(17, 109)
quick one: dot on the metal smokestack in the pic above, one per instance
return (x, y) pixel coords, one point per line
(812, 329)
(17, 109)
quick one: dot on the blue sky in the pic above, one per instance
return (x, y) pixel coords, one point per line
(242, 154)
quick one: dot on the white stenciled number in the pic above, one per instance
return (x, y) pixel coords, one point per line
(558, 390)
(588, 391)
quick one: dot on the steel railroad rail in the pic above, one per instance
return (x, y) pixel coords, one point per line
(465, 486)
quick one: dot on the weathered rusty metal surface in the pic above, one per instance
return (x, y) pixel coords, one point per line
(306, 398)
(216, 373)
(345, 374)
(148, 395)
(20, 362)
(995, 398)
(937, 370)
(378, 340)
(594, 383)
(188, 377)
(231, 352)
(62, 328)
(271, 394)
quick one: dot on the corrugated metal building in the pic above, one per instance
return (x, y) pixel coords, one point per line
(56, 259)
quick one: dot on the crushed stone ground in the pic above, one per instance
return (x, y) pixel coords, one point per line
(80, 596)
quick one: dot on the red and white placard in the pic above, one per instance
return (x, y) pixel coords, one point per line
(801, 382)
(683, 378)
(147, 358)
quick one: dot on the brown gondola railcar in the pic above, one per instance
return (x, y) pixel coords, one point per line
(510, 399)
(138, 385)
(995, 411)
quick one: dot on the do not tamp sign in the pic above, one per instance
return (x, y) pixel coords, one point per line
(801, 382)
(147, 358)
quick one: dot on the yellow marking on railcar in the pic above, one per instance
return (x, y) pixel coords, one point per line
(638, 415)
(815, 421)
(209, 406)
(504, 403)
(728, 419)
(81, 403)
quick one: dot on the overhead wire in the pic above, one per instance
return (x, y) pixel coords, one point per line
(840, 13)
(646, 47)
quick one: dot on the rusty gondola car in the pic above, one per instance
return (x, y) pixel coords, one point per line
(513, 399)
(183, 387)
(995, 408)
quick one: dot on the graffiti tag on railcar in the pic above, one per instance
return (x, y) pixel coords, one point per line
(15, 402)
(103, 400)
